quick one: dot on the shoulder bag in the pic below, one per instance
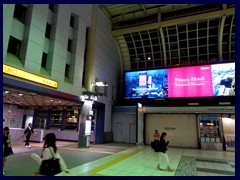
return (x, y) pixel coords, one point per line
(50, 167)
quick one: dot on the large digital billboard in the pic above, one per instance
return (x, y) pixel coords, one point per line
(194, 81)
(146, 84)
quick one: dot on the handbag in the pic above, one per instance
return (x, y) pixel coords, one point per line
(155, 146)
(50, 167)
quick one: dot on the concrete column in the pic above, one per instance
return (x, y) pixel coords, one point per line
(140, 128)
(91, 49)
(82, 138)
(87, 106)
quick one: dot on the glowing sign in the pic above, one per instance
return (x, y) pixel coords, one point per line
(29, 76)
(88, 124)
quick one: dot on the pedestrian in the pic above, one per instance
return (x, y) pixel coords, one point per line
(49, 151)
(162, 148)
(28, 132)
(7, 149)
(156, 138)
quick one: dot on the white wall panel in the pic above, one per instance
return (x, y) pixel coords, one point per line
(181, 129)
(121, 127)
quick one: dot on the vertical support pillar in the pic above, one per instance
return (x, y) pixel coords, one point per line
(140, 128)
(82, 138)
(91, 49)
(164, 47)
(220, 38)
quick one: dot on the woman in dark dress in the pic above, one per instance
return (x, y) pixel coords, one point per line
(162, 148)
(7, 149)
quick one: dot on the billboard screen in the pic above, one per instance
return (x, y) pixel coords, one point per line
(194, 81)
(146, 84)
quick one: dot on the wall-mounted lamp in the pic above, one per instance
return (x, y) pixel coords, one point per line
(91, 96)
(98, 84)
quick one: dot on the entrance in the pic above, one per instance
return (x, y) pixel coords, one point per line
(228, 121)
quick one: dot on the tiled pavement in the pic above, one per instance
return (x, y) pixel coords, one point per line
(114, 159)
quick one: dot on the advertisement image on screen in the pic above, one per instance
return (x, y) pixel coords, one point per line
(195, 81)
(146, 84)
(223, 79)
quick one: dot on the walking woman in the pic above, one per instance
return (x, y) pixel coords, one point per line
(50, 151)
(162, 148)
(7, 149)
(28, 132)
(155, 141)
(156, 136)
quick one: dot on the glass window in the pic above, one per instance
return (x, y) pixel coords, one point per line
(148, 49)
(183, 52)
(14, 46)
(175, 61)
(155, 41)
(48, 31)
(69, 47)
(141, 64)
(72, 21)
(202, 33)
(210, 131)
(67, 69)
(202, 41)
(150, 64)
(56, 119)
(202, 25)
(44, 60)
(172, 31)
(192, 27)
(182, 28)
(130, 44)
(133, 65)
(173, 38)
(213, 31)
(132, 51)
(71, 119)
(182, 36)
(127, 37)
(51, 7)
(146, 42)
(192, 35)
(144, 35)
(158, 63)
(138, 43)
(20, 13)
(140, 50)
(153, 33)
(183, 44)
(41, 119)
(136, 37)
(156, 48)
(193, 51)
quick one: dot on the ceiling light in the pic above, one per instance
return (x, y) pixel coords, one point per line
(99, 84)
(149, 58)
